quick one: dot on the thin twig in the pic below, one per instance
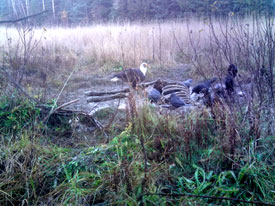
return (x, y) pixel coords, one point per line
(65, 84)
(66, 104)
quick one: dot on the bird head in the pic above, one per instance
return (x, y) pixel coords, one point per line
(143, 68)
(205, 91)
(213, 80)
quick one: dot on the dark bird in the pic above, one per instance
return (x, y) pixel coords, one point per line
(264, 75)
(229, 79)
(232, 69)
(154, 95)
(229, 83)
(203, 85)
(211, 98)
(263, 71)
(207, 98)
(131, 75)
(176, 101)
(219, 89)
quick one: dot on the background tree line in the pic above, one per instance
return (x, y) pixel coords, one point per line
(88, 11)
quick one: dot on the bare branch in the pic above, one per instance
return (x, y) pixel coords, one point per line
(24, 18)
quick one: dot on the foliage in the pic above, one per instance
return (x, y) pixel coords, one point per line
(230, 184)
(16, 115)
(180, 159)
(82, 12)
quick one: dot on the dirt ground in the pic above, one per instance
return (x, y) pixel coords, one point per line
(89, 81)
(92, 80)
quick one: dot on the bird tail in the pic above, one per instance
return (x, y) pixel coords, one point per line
(115, 79)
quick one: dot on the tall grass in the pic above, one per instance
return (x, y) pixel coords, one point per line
(184, 156)
(127, 44)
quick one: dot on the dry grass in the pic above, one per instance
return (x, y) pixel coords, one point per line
(127, 44)
(206, 47)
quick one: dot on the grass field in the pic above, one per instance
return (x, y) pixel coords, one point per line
(127, 44)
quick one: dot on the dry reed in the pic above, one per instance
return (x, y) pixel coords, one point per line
(127, 44)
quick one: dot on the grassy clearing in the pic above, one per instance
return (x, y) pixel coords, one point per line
(125, 44)
(227, 151)
(46, 56)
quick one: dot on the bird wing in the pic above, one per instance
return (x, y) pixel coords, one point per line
(131, 75)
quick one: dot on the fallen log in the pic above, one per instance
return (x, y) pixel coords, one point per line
(126, 90)
(147, 84)
(23, 18)
(91, 93)
(117, 94)
(106, 98)
(59, 108)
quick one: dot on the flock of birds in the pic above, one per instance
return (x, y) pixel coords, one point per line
(178, 94)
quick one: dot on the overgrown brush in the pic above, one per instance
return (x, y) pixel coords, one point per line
(184, 156)
(159, 43)
(16, 115)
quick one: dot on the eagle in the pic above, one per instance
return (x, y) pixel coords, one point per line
(132, 76)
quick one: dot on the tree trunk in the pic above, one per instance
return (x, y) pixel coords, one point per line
(27, 4)
(13, 8)
(43, 5)
(53, 8)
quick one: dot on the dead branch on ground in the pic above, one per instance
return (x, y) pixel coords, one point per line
(106, 98)
(92, 93)
(61, 112)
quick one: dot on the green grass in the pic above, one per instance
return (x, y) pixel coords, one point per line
(183, 156)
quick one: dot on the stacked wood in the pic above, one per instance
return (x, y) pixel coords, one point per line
(169, 86)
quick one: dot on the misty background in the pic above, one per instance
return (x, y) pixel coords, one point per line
(83, 12)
